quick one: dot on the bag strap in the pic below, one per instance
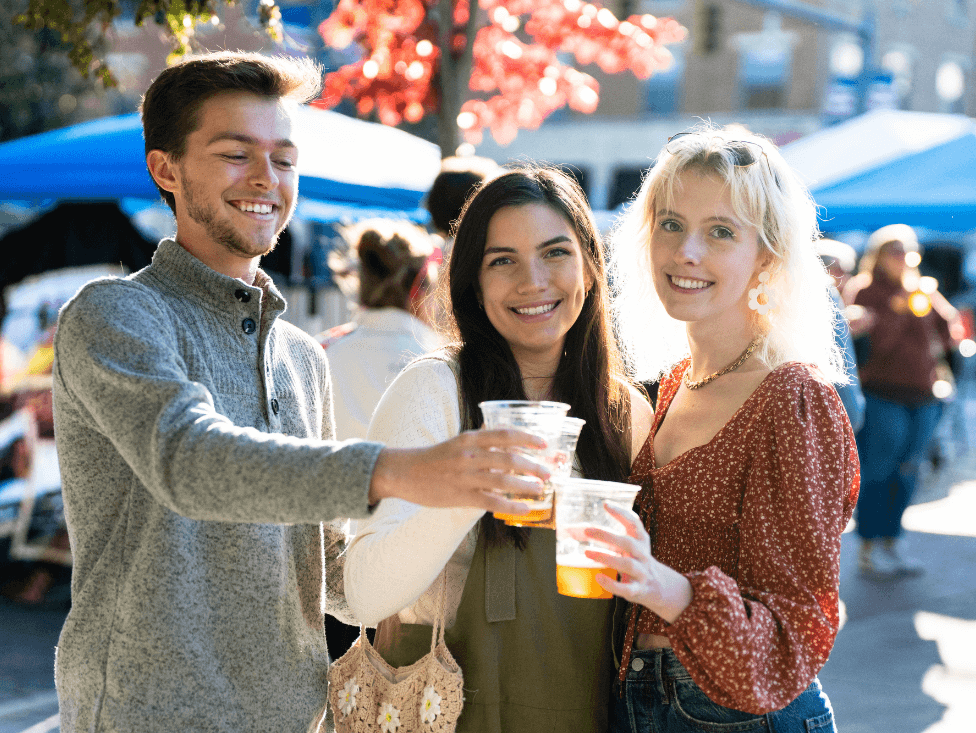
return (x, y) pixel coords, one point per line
(437, 632)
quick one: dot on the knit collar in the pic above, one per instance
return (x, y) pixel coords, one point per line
(185, 274)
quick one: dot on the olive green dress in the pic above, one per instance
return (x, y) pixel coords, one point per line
(533, 660)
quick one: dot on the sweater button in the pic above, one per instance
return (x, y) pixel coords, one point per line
(637, 665)
(242, 295)
(249, 326)
(274, 405)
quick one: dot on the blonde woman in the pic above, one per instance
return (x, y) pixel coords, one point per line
(750, 473)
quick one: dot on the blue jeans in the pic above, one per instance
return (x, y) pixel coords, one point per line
(891, 446)
(661, 697)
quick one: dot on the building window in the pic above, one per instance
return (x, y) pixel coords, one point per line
(664, 91)
(898, 63)
(765, 65)
(580, 173)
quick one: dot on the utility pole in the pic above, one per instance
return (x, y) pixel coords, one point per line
(864, 29)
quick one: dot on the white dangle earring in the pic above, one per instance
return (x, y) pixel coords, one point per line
(759, 298)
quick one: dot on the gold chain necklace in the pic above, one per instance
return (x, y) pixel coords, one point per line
(730, 368)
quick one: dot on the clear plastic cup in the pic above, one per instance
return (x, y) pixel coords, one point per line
(579, 505)
(561, 466)
(542, 419)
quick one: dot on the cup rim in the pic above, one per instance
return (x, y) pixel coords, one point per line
(547, 405)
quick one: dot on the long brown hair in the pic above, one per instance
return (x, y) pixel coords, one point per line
(590, 374)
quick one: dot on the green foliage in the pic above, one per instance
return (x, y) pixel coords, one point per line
(81, 23)
(39, 87)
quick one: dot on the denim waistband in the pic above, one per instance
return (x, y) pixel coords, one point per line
(648, 665)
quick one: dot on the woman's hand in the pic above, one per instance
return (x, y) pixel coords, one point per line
(643, 579)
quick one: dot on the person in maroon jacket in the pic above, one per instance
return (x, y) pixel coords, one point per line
(909, 330)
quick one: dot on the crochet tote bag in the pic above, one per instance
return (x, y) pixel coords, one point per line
(367, 695)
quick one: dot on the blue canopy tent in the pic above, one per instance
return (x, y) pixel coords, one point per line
(892, 166)
(934, 189)
(345, 165)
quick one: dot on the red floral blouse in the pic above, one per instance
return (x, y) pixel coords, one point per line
(753, 519)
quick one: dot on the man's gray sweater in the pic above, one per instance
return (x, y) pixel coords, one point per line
(190, 422)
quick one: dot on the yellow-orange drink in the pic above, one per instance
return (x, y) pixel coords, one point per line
(534, 517)
(580, 582)
(581, 505)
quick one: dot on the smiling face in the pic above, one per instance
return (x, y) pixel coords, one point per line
(236, 184)
(533, 280)
(704, 257)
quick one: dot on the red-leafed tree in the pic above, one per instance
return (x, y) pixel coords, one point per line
(505, 66)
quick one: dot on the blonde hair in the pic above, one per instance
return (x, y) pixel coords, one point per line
(766, 194)
(890, 233)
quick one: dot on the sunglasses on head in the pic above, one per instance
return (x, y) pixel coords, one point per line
(744, 152)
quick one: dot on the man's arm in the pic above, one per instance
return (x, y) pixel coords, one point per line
(118, 363)
(463, 471)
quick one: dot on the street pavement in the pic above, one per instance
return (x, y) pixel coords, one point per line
(904, 661)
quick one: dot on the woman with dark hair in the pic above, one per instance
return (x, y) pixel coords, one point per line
(530, 320)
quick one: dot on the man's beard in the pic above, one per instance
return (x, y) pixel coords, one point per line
(222, 232)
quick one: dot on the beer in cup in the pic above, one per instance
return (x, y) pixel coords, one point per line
(540, 418)
(579, 505)
(561, 467)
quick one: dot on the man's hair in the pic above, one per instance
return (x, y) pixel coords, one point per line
(171, 106)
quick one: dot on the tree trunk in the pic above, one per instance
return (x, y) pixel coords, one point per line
(455, 71)
(448, 133)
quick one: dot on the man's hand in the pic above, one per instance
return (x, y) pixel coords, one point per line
(464, 471)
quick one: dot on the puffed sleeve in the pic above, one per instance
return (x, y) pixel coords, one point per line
(754, 642)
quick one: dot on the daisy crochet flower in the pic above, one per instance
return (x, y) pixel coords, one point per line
(389, 718)
(347, 698)
(430, 706)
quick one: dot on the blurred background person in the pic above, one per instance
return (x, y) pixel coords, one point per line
(839, 259)
(909, 330)
(457, 180)
(390, 270)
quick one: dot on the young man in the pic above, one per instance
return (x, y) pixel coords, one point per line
(193, 429)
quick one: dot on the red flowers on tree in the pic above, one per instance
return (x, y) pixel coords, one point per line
(506, 66)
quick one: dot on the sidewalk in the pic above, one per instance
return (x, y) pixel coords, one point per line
(905, 659)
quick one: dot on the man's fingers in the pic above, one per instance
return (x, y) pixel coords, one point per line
(497, 504)
(507, 439)
(511, 463)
